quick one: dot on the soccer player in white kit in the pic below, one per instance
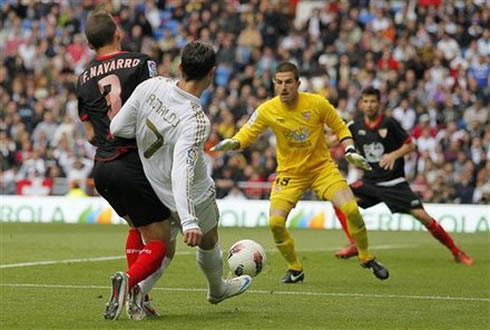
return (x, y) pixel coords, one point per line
(170, 128)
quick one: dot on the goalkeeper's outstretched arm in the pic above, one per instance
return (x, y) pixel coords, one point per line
(248, 133)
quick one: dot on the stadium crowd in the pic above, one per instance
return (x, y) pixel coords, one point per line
(429, 58)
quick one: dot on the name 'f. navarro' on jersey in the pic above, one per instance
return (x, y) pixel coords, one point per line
(103, 68)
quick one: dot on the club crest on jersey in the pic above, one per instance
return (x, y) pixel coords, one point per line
(306, 115)
(383, 132)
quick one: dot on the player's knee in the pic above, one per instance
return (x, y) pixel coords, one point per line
(156, 231)
(422, 216)
(350, 209)
(277, 225)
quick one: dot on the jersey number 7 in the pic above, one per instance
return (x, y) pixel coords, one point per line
(150, 151)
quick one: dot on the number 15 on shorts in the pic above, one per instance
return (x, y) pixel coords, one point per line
(282, 181)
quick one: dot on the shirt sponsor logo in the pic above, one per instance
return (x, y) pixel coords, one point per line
(297, 138)
(373, 151)
(299, 135)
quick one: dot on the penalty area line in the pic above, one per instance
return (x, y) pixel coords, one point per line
(109, 258)
(290, 293)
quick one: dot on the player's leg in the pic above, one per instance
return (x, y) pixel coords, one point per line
(147, 284)
(441, 235)
(125, 177)
(344, 200)
(343, 222)
(107, 185)
(401, 199)
(365, 197)
(209, 257)
(148, 264)
(105, 178)
(156, 236)
(286, 191)
(331, 185)
(134, 245)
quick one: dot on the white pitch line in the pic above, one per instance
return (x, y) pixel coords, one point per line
(97, 259)
(297, 293)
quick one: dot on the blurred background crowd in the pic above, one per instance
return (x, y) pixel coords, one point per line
(429, 58)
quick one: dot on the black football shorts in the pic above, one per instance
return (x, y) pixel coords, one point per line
(124, 185)
(399, 198)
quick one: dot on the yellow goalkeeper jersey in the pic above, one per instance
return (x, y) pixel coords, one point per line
(300, 146)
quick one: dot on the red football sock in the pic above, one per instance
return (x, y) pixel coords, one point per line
(148, 262)
(134, 245)
(343, 222)
(440, 234)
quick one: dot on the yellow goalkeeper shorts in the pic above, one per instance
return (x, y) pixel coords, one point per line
(288, 189)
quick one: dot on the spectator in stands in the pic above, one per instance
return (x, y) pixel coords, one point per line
(235, 193)
(405, 114)
(434, 62)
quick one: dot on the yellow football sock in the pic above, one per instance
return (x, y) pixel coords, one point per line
(357, 229)
(284, 241)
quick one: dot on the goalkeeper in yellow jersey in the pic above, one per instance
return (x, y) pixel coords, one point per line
(297, 119)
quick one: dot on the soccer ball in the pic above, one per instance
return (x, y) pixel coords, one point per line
(246, 257)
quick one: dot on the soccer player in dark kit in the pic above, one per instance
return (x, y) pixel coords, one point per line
(102, 89)
(383, 143)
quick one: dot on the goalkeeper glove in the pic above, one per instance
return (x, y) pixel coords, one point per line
(355, 159)
(226, 145)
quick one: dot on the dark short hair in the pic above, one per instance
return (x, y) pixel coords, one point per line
(288, 67)
(370, 90)
(100, 28)
(198, 58)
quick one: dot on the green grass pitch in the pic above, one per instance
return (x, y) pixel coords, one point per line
(426, 289)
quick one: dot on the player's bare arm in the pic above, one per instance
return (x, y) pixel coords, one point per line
(88, 129)
(387, 161)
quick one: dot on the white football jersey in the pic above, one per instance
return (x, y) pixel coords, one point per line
(170, 129)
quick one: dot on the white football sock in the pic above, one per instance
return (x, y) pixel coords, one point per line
(211, 264)
(147, 284)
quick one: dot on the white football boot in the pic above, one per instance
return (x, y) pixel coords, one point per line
(234, 287)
